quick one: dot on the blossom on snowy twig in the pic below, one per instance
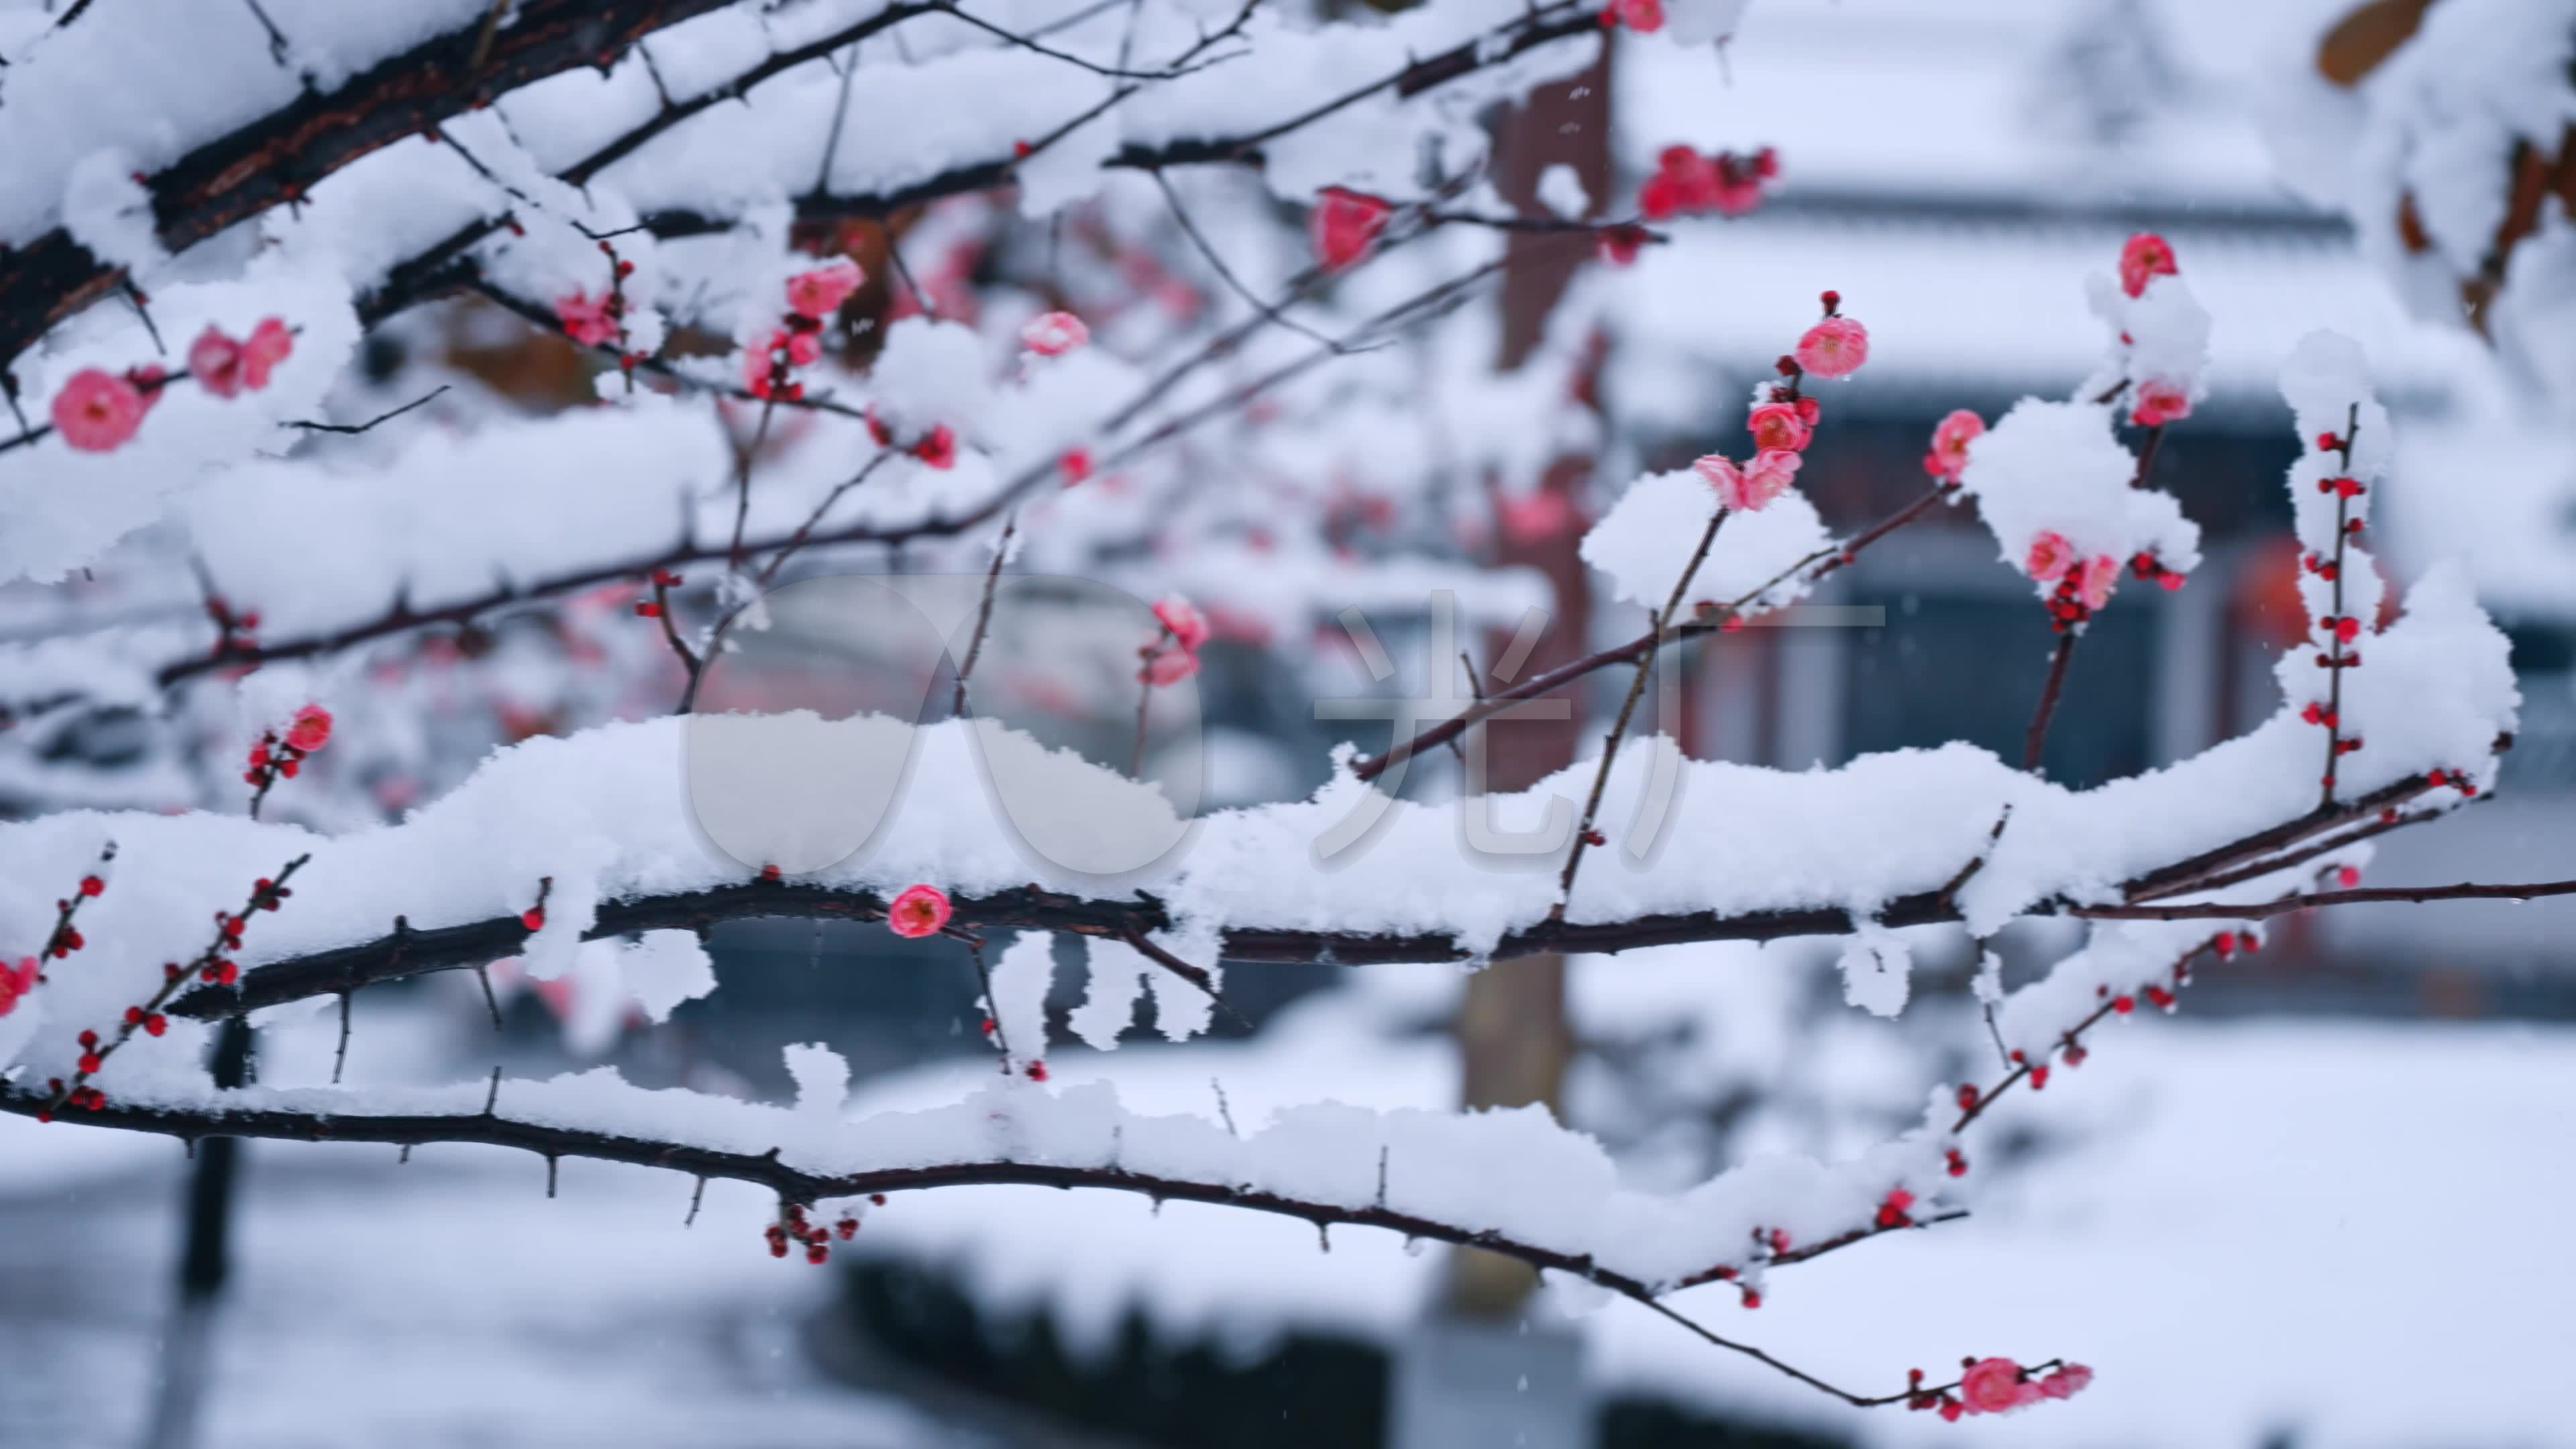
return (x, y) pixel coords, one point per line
(213, 965)
(279, 756)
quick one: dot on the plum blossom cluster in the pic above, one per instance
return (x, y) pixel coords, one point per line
(2067, 502)
(1687, 182)
(99, 411)
(1998, 1386)
(1053, 334)
(2083, 585)
(1783, 416)
(601, 321)
(280, 754)
(1172, 655)
(2161, 347)
(768, 367)
(214, 965)
(2346, 430)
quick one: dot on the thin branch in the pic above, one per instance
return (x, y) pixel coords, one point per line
(992, 1008)
(743, 458)
(984, 612)
(554, 1142)
(1013, 37)
(2035, 739)
(1815, 566)
(2286, 905)
(212, 964)
(381, 418)
(1193, 974)
(1216, 261)
(437, 270)
(1583, 829)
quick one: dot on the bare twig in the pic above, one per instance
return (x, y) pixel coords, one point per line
(1815, 566)
(1583, 829)
(984, 612)
(2035, 739)
(379, 419)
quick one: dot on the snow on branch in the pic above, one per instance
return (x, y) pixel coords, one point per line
(213, 156)
(1753, 853)
(1511, 1182)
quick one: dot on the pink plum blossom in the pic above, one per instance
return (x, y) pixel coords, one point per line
(585, 319)
(311, 728)
(920, 911)
(1183, 619)
(97, 411)
(2099, 578)
(2050, 556)
(1995, 1386)
(819, 293)
(1054, 334)
(1642, 16)
(2067, 1382)
(1170, 666)
(2146, 255)
(215, 360)
(1747, 489)
(1343, 223)
(1778, 425)
(1835, 347)
(15, 982)
(1950, 439)
(2159, 403)
(269, 344)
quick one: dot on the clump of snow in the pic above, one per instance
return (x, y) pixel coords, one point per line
(822, 1078)
(1645, 541)
(1877, 972)
(1561, 191)
(1018, 1002)
(1116, 979)
(2055, 468)
(109, 211)
(2160, 337)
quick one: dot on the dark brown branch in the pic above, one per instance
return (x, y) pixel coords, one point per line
(470, 944)
(793, 1185)
(1195, 975)
(279, 157)
(984, 613)
(2035, 739)
(440, 269)
(2260, 910)
(1663, 621)
(2278, 837)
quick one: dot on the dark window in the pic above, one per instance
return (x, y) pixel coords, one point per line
(1953, 667)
